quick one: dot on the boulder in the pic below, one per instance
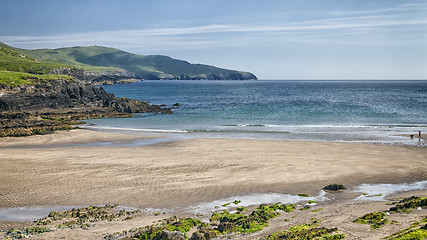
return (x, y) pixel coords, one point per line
(170, 235)
(226, 227)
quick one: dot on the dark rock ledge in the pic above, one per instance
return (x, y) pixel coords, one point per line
(48, 107)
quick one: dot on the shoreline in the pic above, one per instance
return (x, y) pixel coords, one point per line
(196, 170)
(189, 177)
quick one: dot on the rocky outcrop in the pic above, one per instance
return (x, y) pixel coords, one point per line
(63, 95)
(48, 107)
(213, 76)
(170, 235)
(97, 77)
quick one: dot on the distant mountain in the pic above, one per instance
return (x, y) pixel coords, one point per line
(103, 59)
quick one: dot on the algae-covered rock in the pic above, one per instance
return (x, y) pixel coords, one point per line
(375, 219)
(306, 231)
(198, 236)
(204, 233)
(334, 187)
(409, 203)
(170, 235)
(227, 227)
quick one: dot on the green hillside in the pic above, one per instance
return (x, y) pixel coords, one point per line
(97, 58)
(11, 60)
(14, 79)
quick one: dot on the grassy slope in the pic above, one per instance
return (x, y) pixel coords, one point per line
(17, 69)
(12, 60)
(96, 58)
(14, 79)
(63, 56)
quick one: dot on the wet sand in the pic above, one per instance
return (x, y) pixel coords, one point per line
(187, 172)
(62, 169)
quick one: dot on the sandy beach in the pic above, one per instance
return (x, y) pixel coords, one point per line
(61, 169)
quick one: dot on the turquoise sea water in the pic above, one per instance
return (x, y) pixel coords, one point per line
(360, 111)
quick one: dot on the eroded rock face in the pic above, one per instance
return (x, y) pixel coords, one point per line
(204, 233)
(62, 95)
(170, 235)
(226, 227)
(48, 107)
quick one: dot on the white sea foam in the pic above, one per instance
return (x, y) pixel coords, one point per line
(30, 213)
(136, 129)
(253, 199)
(378, 192)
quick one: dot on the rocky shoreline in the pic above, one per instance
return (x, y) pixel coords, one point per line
(47, 107)
(399, 219)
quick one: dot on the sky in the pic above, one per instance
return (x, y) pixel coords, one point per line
(274, 39)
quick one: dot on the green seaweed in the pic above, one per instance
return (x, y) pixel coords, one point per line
(183, 225)
(417, 230)
(241, 209)
(317, 210)
(303, 195)
(256, 221)
(375, 219)
(409, 203)
(37, 230)
(80, 217)
(306, 207)
(171, 224)
(15, 233)
(205, 232)
(306, 232)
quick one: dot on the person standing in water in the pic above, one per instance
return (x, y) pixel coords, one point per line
(419, 134)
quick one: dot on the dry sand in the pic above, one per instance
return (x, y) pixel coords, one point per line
(187, 172)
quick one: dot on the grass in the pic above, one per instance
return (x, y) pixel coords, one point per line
(11, 60)
(14, 79)
(97, 58)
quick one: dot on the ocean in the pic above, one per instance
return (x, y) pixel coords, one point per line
(341, 111)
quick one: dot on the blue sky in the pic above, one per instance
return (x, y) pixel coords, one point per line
(274, 39)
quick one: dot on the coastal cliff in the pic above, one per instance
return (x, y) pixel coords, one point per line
(45, 90)
(63, 95)
(42, 108)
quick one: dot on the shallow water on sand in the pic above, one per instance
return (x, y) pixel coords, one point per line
(369, 192)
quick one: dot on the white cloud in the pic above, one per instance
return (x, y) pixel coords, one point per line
(220, 35)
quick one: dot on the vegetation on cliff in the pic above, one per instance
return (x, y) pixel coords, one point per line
(11, 60)
(117, 63)
(14, 79)
(36, 99)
